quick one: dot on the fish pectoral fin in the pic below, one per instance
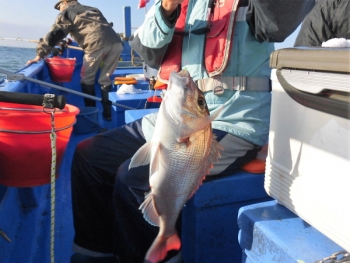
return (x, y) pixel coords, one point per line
(142, 156)
(216, 113)
(198, 124)
(149, 211)
(155, 159)
(194, 126)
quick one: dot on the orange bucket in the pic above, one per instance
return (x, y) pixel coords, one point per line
(25, 143)
(61, 69)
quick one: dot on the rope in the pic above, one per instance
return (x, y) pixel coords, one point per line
(133, 59)
(53, 193)
(38, 132)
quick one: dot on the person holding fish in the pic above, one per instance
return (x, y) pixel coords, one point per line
(129, 184)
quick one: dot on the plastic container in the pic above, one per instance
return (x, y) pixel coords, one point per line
(25, 143)
(308, 163)
(87, 120)
(61, 69)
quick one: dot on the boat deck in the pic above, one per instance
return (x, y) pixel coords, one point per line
(30, 210)
(25, 212)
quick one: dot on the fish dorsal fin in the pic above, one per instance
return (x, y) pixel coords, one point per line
(142, 156)
(149, 211)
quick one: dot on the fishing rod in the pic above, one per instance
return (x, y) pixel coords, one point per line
(34, 99)
(35, 41)
(21, 77)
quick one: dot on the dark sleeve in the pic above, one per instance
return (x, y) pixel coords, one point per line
(153, 56)
(170, 21)
(328, 19)
(49, 41)
(59, 31)
(275, 20)
(56, 35)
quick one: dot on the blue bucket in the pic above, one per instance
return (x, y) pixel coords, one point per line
(87, 120)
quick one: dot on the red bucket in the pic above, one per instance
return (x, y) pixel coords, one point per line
(25, 143)
(61, 69)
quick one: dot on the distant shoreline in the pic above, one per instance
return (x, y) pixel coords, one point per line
(16, 46)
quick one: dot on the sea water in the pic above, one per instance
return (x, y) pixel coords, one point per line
(14, 58)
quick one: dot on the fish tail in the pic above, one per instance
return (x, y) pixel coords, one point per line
(160, 247)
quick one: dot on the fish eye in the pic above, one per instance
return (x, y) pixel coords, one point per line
(201, 103)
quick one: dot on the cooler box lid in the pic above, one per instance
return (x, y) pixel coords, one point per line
(316, 59)
(318, 78)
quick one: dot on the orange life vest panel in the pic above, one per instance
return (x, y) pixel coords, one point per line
(218, 40)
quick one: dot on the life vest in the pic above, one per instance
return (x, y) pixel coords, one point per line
(219, 39)
(124, 80)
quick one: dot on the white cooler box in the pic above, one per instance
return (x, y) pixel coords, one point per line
(308, 163)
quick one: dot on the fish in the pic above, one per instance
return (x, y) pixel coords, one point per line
(181, 153)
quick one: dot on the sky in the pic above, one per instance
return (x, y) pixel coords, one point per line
(33, 19)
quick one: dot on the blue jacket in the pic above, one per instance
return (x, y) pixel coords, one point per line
(247, 113)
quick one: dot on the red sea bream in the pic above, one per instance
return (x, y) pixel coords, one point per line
(180, 153)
